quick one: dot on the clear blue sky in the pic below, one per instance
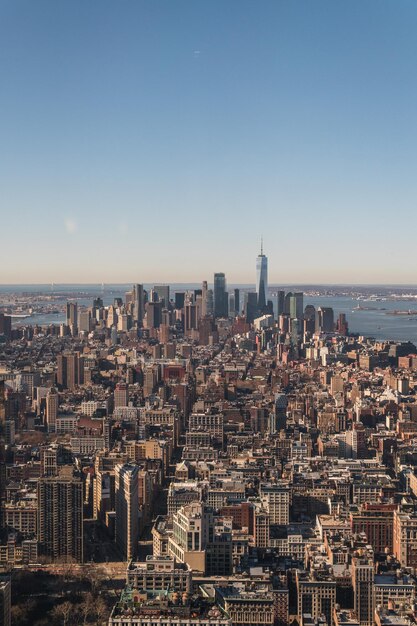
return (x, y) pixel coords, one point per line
(150, 141)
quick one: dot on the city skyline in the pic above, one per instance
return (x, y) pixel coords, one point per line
(125, 132)
(208, 313)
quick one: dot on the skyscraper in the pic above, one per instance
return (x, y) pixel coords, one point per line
(153, 314)
(75, 370)
(60, 516)
(138, 304)
(297, 305)
(237, 301)
(70, 370)
(287, 300)
(342, 325)
(324, 320)
(363, 586)
(190, 317)
(179, 299)
(250, 306)
(72, 316)
(52, 402)
(204, 299)
(262, 280)
(84, 321)
(163, 294)
(221, 299)
(280, 303)
(210, 302)
(232, 308)
(127, 509)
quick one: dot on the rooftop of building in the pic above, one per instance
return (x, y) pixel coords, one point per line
(174, 605)
(153, 563)
(346, 617)
(391, 618)
(242, 592)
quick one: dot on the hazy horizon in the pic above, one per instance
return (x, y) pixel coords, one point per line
(271, 285)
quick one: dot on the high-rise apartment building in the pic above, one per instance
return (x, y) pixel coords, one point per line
(363, 586)
(221, 300)
(75, 370)
(276, 500)
(151, 377)
(52, 402)
(281, 404)
(356, 441)
(60, 516)
(70, 372)
(127, 509)
(121, 395)
(262, 280)
(61, 376)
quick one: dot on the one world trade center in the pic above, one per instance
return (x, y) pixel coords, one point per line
(262, 280)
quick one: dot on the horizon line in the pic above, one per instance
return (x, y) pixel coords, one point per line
(168, 283)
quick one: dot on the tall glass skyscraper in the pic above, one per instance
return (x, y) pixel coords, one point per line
(262, 280)
(138, 304)
(221, 299)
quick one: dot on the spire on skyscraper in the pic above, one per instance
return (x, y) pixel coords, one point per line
(262, 279)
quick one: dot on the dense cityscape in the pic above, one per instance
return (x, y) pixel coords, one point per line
(208, 457)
